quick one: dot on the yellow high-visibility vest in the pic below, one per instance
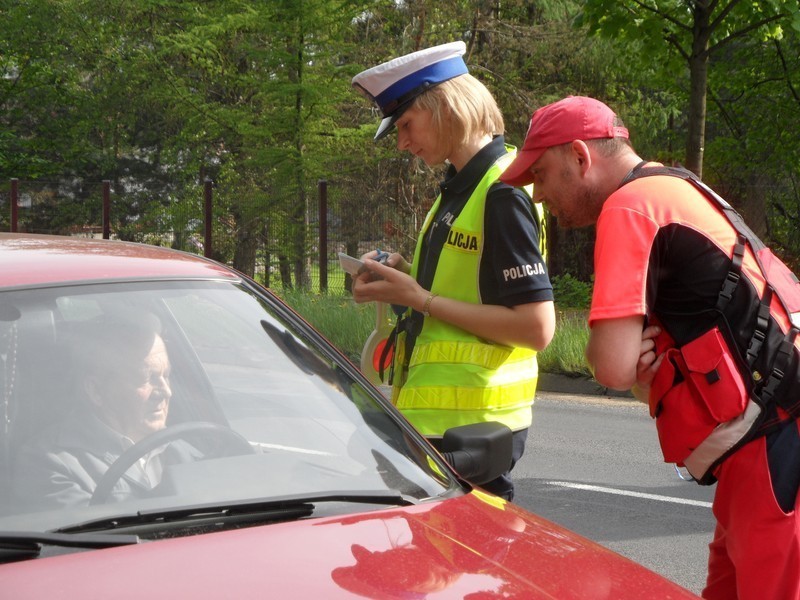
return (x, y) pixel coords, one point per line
(453, 377)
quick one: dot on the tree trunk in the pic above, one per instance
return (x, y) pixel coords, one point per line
(570, 251)
(286, 272)
(698, 84)
(244, 256)
(300, 212)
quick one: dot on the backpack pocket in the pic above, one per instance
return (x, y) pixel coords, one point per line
(696, 388)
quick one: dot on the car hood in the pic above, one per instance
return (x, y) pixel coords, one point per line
(475, 546)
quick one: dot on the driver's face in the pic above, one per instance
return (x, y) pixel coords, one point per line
(137, 402)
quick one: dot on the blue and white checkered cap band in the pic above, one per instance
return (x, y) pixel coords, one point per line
(392, 85)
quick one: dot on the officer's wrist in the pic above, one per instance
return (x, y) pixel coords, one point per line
(426, 306)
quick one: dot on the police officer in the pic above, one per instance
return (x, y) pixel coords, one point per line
(479, 300)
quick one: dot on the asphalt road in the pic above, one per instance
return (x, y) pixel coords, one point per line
(592, 464)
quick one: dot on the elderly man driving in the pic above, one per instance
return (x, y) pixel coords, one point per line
(123, 395)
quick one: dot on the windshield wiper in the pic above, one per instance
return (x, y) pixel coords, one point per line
(22, 545)
(236, 512)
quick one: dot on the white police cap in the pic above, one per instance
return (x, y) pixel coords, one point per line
(392, 85)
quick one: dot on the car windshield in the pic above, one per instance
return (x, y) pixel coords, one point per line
(122, 399)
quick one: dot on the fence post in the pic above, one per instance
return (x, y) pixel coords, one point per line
(106, 209)
(207, 249)
(267, 255)
(322, 187)
(14, 203)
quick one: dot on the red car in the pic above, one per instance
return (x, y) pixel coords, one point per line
(170, 429)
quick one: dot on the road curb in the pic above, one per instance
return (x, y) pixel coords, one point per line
(579, 386)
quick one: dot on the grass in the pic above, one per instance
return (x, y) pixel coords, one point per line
(565, 354)
(348, 325)
(336, 278)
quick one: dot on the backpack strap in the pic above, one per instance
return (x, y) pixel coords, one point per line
(760, 331)
(733, 276)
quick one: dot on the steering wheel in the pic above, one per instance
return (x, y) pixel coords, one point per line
(236, 445)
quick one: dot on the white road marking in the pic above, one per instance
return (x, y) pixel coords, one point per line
(605, 490)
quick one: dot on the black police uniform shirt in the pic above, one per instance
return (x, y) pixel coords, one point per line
(512, 270)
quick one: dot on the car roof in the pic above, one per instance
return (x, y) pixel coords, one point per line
(33, 260)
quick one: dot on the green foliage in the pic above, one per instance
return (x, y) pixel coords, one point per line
(682, 36)
(346, 324)
(157, 95)
(566, 354)
(571, 293)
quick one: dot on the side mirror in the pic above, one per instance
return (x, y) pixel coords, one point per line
(479, 452)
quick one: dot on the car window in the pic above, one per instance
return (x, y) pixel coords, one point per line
(240, 401)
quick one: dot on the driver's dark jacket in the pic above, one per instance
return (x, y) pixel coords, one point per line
(62, 465)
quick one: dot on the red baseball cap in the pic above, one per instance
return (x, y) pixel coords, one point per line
(573, 118)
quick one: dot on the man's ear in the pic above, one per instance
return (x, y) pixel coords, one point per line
(581, 154)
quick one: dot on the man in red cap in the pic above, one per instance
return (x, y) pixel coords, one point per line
(695, 315)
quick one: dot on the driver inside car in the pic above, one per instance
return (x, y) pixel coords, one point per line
(122, 395)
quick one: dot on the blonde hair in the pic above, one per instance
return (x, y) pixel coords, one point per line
(466, 105)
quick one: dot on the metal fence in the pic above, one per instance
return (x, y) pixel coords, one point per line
(285, 239)
(205, 221)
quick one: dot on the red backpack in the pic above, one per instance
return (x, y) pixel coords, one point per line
(703, 389)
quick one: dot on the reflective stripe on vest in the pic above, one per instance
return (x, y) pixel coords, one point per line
(454, 378)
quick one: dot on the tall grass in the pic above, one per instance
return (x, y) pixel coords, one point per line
(566, 353)
(348, 325)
